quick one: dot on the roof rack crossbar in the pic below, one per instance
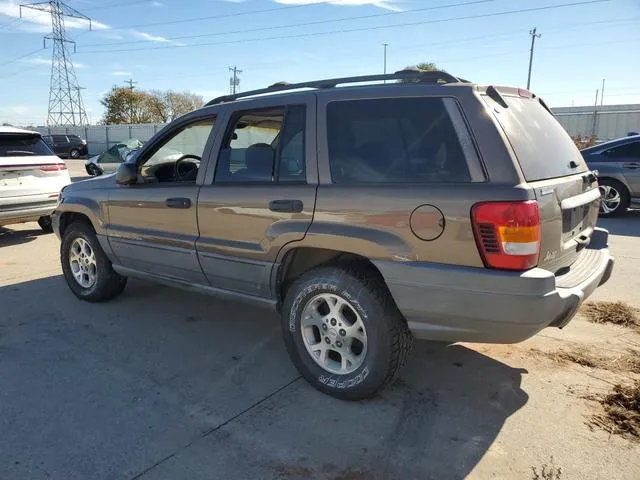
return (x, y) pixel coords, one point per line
(409, 75)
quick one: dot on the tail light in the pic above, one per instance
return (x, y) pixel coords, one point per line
(507, 234)
(53, 167)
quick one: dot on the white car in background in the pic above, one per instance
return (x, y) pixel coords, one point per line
(31, 177)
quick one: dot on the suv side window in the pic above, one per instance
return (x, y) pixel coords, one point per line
(394, 140)
(265, 145)
(59, 138)
(625, 151)
(178, 158)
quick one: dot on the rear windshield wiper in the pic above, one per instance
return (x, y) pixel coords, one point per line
(19, 152)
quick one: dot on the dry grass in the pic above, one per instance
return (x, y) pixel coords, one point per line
(618, 313)
(621, 411)
(547, 472)
(629, 361)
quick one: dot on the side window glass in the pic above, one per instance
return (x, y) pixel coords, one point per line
(394, 140)
(628, 150)
(291, 165)
(264, 146)
(59, 138)
(178, 158)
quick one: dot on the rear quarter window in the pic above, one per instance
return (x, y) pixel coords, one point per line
(23, 146)
(542, 147)
(394, 140)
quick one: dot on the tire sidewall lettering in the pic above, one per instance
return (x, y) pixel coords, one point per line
(340, 382)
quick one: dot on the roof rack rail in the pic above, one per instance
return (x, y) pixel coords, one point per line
(408, 74)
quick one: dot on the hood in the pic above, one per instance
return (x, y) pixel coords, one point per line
(91, 183)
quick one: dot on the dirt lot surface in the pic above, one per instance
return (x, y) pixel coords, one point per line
(165, 384)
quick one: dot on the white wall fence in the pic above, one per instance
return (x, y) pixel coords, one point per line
(100, 137)
(608, 121)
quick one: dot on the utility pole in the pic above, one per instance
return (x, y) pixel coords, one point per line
(385, 45)
(131, 84)
(234, 80)
(65, 103)
(534, 35)
(595, 116)
(602, 93)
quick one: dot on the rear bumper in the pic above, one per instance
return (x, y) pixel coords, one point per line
(448, 303)
(26, 209)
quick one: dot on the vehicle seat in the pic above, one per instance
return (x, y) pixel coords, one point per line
(258, 163)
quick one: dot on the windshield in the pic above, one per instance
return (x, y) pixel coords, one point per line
(21, 145)
(543, 148)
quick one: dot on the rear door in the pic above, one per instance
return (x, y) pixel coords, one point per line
(566, 191)
(261, 194)
(60, 144)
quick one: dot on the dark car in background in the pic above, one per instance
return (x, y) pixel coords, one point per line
(67, 146)
(618, 164)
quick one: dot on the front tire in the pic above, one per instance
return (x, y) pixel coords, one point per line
(74, 153)
(615, 198)
(344, 333)
(45, 224)
(86, 268)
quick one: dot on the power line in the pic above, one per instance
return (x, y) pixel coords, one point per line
(297, 25)
(116, 5)
(359, 29)
(224, 15)
(21, 57)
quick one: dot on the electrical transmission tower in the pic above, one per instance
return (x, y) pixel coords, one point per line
(234, 80)
(65, 101)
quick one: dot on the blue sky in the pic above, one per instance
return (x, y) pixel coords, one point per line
(295, 40)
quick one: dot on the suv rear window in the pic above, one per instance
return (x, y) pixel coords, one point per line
(543, 148)
(22, 145)
(394, 140)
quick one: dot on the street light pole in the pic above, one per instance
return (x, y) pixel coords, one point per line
(385, 45)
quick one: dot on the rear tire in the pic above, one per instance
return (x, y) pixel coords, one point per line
(93, 170)
(86, 268)
(45, 224)
(313, 324)
(615, 198)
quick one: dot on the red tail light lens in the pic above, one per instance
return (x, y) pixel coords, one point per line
(53, 167)
(508, 234)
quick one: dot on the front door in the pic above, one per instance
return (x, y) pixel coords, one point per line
(152, 224)
(261, 195)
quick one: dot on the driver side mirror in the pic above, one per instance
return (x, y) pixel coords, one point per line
(127, 174)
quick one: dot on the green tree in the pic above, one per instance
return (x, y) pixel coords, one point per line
(126, 106)
(166, 106)
(423, 67)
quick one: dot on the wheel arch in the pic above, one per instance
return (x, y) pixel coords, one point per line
(300, 259)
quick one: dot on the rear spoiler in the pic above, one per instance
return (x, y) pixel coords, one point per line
(496, 94)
